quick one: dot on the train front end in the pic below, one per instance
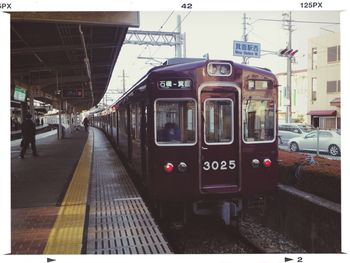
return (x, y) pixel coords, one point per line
(213, 134)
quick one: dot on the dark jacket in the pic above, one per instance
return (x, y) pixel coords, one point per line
(28, 129)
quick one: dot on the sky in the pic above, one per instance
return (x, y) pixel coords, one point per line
(213, 32)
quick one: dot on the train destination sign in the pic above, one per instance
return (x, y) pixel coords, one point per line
(175, 84)
(246, 49)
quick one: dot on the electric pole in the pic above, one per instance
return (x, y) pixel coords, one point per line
(178, 51)
(288, 19)
(123, 80)
(245, 36)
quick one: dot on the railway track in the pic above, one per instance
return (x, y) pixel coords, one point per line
(208, 235)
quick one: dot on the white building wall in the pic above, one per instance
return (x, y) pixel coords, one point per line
(323, 72)
(299, 83)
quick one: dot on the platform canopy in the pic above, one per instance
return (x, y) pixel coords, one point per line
(67, 57)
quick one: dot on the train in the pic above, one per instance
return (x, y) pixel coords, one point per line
(202, 133)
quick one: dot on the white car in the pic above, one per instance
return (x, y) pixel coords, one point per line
(287, 131)
(329, 141)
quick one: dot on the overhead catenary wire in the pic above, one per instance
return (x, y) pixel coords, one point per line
(161, 27)
(144, 48)
(154, 53)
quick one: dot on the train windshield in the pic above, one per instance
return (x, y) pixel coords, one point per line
(175, 122)
(258, 120)
(218, 121)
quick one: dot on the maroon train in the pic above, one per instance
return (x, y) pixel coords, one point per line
(199, 132)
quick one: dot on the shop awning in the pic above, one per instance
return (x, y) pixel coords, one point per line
(335, 102)
(322, 113)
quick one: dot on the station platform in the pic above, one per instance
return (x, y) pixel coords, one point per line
(77, 198)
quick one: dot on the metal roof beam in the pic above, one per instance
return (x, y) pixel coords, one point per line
(121, 18)
(25, 50)
(59, 68)
(153, 38)
(68, 79)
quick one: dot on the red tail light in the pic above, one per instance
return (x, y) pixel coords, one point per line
(267, 162)
(169, 167)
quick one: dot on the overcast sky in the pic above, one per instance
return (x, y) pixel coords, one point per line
(213, 32)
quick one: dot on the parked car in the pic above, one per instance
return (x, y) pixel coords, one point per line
(287, 131)
(329, 141)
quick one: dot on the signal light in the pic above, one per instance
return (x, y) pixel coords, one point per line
(267, 162)
(287, 52)
(168, 167)
(294, 52)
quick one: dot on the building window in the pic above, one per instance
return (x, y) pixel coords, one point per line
(314, 89)
(331, 86)
(338, 85)
(314, 58)
(333, 54)
(327, 123)
(338, 123)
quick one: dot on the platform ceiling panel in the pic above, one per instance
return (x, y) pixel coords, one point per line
(49, 50)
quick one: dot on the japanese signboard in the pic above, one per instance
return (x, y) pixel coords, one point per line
(246, 49)
(20, 94)
(175, 84)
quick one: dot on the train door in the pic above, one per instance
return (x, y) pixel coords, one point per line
(219, 139)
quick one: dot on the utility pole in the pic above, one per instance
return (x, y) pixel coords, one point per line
(178, 51)
(245, 36)
(289, 67)
(123, 80)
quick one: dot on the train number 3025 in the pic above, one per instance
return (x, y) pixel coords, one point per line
(219, 165)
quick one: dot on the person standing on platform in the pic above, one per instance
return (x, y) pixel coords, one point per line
(86, 123)
(28, 135)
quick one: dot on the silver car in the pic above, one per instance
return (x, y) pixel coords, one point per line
(287, 131)
(329, 141)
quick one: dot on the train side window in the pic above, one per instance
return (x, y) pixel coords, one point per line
(258, 120)
(218, 121)
(135, 121)
(124, 121)
(175, 122)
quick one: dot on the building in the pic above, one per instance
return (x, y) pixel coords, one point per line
(324, 81)
(298, 95)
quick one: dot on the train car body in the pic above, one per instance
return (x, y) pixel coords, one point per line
(199, 131)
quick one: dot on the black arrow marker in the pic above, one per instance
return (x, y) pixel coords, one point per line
(287, 259)
(50, 260)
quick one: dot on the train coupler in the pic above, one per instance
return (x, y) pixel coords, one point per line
(227, 210)
(230, 209)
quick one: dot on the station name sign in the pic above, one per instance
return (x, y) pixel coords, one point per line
(19, 94)
(73, 93)
(175, 84)
(246, 49)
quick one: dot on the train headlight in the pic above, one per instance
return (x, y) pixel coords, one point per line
(168, 167)
(255, 163)
(219, 69)
(267, 162)
(212, 69)
(182, 167)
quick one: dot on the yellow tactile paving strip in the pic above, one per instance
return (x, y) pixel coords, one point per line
(66, 236)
